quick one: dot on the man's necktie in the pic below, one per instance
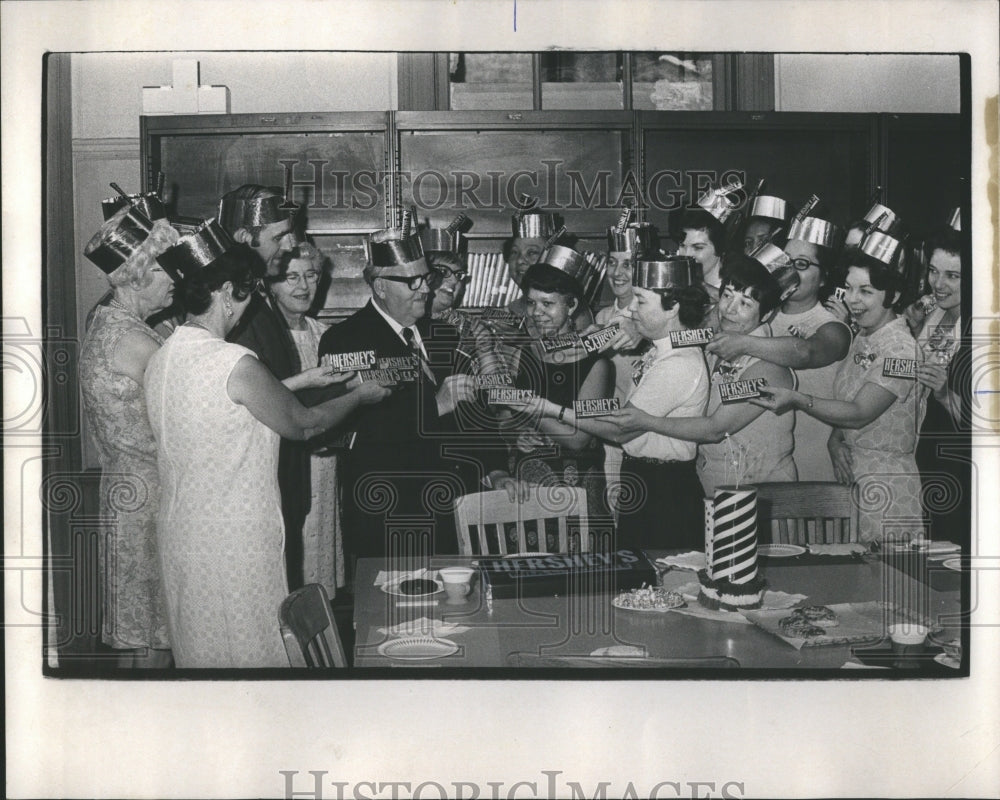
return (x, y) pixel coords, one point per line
(418, 354)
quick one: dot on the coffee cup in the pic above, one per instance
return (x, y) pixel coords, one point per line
(457, 583)
(907, 643)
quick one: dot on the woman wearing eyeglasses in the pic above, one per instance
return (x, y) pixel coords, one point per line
(877, 405)
(217, 414)
(293, 289)
(807, 338)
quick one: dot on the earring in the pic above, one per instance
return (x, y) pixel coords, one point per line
(229, 310)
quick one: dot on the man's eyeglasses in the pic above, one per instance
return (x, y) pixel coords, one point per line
(415, 282)
(459, 275)
(802, 264)
(292, 278)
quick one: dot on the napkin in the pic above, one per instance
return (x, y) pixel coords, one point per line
(693, 561)
(927, 547)
(392, 576)
(425, 627)
(844, 549)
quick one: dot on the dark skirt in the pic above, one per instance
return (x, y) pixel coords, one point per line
(660, 506)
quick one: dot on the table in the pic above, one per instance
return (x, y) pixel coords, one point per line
(576, 625)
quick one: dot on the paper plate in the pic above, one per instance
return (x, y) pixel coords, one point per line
(780, 550)
(393, 588)
(417, 648)
(953, 563)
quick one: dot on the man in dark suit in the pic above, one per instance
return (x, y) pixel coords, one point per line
(403, 469)
(258, 216)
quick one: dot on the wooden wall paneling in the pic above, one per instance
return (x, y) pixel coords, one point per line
(797, 154)
(922, 168)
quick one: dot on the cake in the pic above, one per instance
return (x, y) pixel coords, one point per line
(730, 581)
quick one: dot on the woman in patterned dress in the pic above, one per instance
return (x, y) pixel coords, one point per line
(217, 414)
(294, 291)
(113, 358)
(875, 413)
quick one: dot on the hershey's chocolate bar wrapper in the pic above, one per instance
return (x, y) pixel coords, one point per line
(741, 391)
(599, 407)
(350, 362)
(389, 377)
(564, 341)
(695, 337)
(494, 380)
(900, 368)
(499, 396)
(593, 342)
(502, 316)
(397, 362)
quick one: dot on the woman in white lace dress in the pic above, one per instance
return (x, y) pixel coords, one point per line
(294, 291)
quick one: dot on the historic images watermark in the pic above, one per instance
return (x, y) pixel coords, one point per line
(550, 783)
(556, 188)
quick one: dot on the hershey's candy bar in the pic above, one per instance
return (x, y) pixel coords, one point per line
(350, 362)
(388, 377)
(502, 316)
(593, 342)
(695, 337)
(397, 362)
(499, 396)
(900, 368)
(599, 407)
(493, 380)
(740, 391)
(564, 341)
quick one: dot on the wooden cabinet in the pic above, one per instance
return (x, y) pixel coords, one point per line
(356, 172)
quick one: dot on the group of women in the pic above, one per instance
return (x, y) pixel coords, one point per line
(845, 364)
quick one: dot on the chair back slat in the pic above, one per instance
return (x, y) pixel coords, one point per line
(495, 508)
(808, 511)
(308, 629)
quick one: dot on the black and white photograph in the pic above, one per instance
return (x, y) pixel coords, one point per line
(501, 399)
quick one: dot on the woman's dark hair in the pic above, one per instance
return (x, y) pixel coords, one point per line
(451, 260)
(698, 219)
(548, 279)
(694, 303)
(744, 273)
(946, 239)
(886, 278)
(240, 265)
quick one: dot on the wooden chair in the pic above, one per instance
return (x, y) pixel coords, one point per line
(308, 630)
(619, 662)
(803, 512)
(485, 510)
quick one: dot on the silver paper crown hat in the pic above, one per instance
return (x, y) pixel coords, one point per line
(118, 238)
(252, 206)
(195, 251)
(769, 207)
(777, 262)
(447, 240)
(814, 230)
(149, 203)
(637, 237)
(884, 216)
(882, 247)
(392, 247)
(530, 222)
(955, 220)
(718, 202)
(666, 272)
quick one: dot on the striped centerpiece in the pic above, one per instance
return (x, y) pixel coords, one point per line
(731, 535)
